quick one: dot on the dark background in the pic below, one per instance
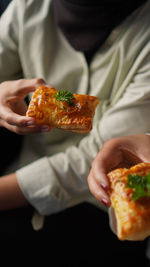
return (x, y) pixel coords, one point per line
(3, 5)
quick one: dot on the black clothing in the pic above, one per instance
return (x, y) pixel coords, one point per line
(87, 23)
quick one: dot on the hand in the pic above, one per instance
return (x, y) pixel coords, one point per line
(116, 153)
(13, 106)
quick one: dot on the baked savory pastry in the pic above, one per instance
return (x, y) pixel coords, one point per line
(62, 109)
(130, 199)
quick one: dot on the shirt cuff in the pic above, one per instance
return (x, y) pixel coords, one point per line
(40, 187)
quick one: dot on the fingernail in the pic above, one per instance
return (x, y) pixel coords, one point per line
(45, 129)
(104, 186)
(30, 123)
(105, 202)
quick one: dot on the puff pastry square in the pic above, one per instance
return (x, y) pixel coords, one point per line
(132, 216)
(75, 117)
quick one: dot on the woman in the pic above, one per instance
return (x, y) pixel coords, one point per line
(84, 47)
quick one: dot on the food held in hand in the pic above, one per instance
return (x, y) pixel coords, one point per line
(130, 198)
(62, 109)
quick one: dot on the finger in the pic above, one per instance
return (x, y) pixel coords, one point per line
(142, 149)
(97, 191)
(32, 130)
(19, 130)
(100, 173)
(25, 130)
(15, 119)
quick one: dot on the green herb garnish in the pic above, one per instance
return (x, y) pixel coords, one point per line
(64, 95)
(140, 184)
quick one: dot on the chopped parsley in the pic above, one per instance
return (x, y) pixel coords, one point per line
(64, 95)
(140, 184)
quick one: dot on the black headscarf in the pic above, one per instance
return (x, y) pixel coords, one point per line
(87, 23)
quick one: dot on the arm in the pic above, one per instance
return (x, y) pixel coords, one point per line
(10, 194)
(116, 153)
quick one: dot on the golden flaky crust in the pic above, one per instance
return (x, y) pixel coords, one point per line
(133, 217)
(47, 110)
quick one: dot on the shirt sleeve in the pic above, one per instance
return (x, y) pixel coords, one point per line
(10, 66)
(60, 181)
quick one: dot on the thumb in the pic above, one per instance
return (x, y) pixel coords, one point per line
(142, 149)
(145, 156)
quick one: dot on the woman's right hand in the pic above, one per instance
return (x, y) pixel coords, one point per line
(13, 106)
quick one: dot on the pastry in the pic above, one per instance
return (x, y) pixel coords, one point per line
(130, 199)
(62, 109)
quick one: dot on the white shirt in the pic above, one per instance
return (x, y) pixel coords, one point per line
(52, 168)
